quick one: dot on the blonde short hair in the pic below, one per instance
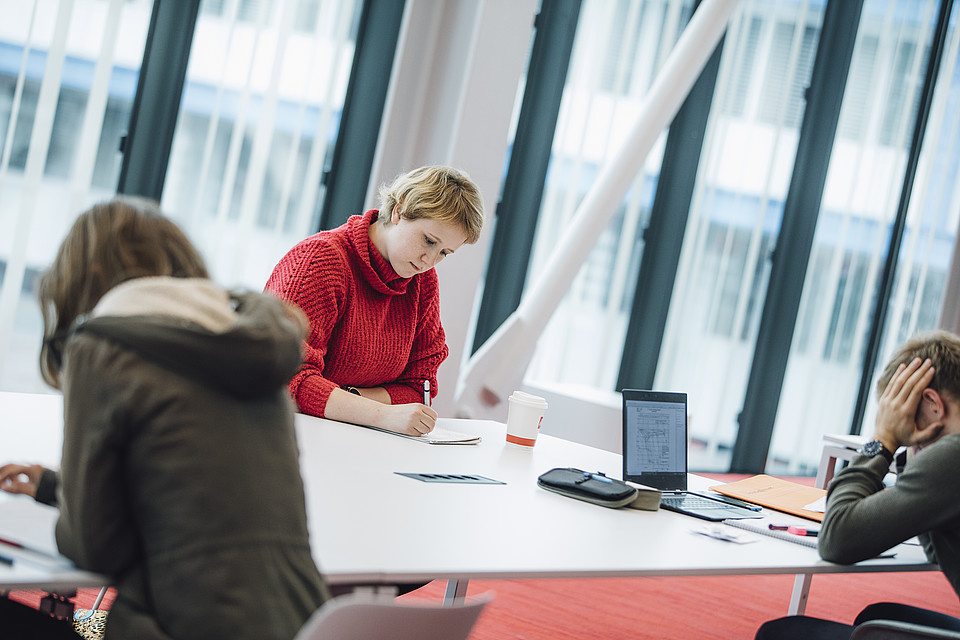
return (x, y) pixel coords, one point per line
(436, 192)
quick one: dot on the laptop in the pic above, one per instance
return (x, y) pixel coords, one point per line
(655, 454)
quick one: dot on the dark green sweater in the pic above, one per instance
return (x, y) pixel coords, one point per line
(863, 519)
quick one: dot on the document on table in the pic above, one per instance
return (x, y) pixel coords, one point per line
(775, 493)
(819, 505)
(439, 435)
(763, 525)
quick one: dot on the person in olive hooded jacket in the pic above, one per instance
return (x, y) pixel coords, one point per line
(179, 477)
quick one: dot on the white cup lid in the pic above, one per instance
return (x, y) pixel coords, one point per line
(528, 398)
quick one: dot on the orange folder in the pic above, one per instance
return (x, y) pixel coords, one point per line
(774, 493)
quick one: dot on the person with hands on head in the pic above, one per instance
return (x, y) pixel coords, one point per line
(910, 413)
(918, 409)
(371, 295)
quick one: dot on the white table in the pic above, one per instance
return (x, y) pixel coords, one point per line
(371, 526)
(30, 431)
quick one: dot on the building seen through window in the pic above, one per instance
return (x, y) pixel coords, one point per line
(733, 224)
(259, 115)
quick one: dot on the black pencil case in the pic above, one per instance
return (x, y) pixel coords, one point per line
(590, 487)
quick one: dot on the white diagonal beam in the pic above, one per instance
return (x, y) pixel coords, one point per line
(499, 365)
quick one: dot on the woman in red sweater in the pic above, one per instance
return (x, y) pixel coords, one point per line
(372, 297)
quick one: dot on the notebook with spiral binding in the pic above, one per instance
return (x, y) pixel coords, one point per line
(762, 526)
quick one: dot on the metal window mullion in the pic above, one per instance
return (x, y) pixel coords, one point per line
(693, 250)
(347, 175)
(798, 225)
(520, 204)
(156, 105)
(664, 235)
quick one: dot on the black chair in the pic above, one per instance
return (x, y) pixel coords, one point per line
(893, 630)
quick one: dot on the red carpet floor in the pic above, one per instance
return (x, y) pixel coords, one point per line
(663, 608)
(680, 608)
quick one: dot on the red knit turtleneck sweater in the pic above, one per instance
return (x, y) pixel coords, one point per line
(368, 326)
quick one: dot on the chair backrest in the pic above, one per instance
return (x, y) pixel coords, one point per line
(893, 630)
(372, 617)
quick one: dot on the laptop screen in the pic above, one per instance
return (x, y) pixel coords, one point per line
(655, 439)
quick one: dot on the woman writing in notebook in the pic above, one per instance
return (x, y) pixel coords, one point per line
(174, 391)
(371, 294)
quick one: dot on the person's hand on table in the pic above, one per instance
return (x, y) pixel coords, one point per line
(896, 422)
(20, 478)
(412, 419)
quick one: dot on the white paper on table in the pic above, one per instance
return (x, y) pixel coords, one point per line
(727, 534)
(439, 435)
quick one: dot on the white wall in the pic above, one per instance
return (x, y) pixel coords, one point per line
(458, 67)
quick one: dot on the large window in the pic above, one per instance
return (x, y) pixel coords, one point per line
(734, 219)
(68, 74)
(258, 118)
(859, 207)
(619, 47)
(260, 113)
(743, 185)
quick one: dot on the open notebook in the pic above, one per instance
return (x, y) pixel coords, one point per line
(439, 435)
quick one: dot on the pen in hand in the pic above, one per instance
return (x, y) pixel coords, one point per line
(426, 393)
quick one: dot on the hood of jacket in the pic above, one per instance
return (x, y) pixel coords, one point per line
(244, 344)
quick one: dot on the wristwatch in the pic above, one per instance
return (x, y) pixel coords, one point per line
(352, 390)
(875, 448)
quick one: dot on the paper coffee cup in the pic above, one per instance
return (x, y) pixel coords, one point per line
(524, 416)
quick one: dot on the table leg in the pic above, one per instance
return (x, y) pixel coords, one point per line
(801, 589)
(456, 591)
